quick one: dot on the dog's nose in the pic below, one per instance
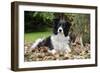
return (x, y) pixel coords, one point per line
(60, 30)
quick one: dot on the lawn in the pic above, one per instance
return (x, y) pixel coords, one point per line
(31, 37)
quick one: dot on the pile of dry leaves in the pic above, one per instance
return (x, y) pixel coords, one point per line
(41, 54)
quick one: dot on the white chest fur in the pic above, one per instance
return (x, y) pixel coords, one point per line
(60, 42)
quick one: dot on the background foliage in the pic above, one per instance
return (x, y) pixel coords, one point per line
(42, 22)
(38, 21)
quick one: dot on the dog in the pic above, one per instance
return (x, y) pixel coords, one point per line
(59, 41)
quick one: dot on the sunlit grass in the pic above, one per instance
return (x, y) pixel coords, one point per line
(31, 37)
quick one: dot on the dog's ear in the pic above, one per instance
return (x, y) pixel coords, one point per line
(66, 30)
(69, 25)
(55, 27)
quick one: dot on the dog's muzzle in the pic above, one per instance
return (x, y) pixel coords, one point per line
(60, 30)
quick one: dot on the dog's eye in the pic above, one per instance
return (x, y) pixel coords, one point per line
(64, 25)
(59, 24)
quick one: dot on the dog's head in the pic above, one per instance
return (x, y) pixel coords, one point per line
(61, 27)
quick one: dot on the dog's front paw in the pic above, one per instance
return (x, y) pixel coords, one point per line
(68, 50)
(53, 51)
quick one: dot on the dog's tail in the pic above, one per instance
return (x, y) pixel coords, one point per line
(34, 45)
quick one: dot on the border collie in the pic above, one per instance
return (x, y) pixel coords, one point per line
(59, 40)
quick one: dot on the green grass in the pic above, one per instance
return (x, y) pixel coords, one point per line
(31, 37)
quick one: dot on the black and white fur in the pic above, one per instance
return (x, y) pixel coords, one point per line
(59, 40)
